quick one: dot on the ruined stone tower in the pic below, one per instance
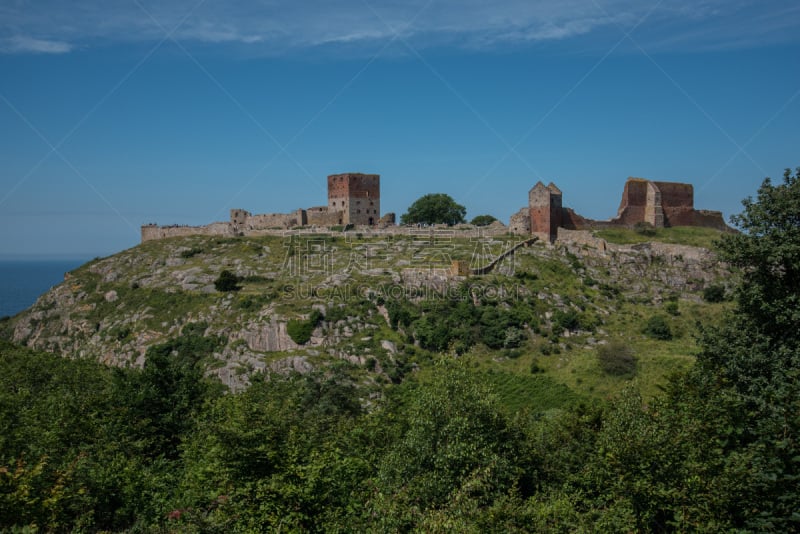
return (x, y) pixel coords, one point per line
(658, 203)
(545, 207)
(356, 196)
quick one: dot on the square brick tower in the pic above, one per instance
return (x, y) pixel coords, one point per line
(545, 208)
(357, 196)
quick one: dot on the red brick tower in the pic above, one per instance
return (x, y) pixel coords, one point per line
(545, 208)
(357, 196)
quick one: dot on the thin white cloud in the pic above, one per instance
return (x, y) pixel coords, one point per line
(276, 26)
(20, 44)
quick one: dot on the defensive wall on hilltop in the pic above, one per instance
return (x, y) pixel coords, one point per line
(354, 199)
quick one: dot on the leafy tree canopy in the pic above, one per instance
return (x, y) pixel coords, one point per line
(483, 220)
(434, 208)
(768, 252)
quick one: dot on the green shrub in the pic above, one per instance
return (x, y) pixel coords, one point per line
(658, 328)
(514, 338)
(299, 331)
(671, 308)
(227, 281)
(714, 293)
(194, 251)
(617, 359)
(566, 320)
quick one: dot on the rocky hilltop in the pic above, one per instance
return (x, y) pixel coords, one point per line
(367, 302)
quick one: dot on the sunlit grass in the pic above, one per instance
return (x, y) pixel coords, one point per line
(679, 235)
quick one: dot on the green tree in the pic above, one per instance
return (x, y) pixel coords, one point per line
(277, 454)
(434, 208)
(744, 389)
(768, 253)
(483, 220)
(454, 436)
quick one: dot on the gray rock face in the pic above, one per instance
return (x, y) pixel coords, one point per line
(268, 336)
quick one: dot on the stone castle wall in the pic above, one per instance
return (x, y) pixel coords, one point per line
(520, 223)
(273, 220)
(661, 204)
(353, 198)
(572, 221)
(632, 206)
(151, 232)
(323, 216)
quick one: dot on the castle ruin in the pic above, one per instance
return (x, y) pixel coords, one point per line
(660, 204)
(353, 198)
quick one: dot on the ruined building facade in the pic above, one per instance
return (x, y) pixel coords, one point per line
(661, 204)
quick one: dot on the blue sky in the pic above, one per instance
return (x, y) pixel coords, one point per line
(118, 113)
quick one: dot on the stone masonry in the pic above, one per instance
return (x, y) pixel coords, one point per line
(661, 204)
(353, 198)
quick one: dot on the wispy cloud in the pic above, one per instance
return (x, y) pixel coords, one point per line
(21, 44)
(277, 26)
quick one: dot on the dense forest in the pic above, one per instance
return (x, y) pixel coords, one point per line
(86, 447)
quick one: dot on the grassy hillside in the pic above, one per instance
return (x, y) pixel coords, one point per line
(679, 235)
(385, 306)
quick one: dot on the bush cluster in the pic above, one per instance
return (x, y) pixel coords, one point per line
(658, 328)
(300, 330)
(617, 359)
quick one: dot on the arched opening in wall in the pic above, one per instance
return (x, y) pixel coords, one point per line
(371, 221)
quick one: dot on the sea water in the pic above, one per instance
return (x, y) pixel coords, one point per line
(23, 281)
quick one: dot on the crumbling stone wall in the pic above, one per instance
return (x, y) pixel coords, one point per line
(388, 219)
(661, 204)
(151, 232)
(632, 206)
(266, 221)
(710, 219)
(520, 223)
(572, 221)
(323, 216)
(677, 202)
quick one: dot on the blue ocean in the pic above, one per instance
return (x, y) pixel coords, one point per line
(22, 281)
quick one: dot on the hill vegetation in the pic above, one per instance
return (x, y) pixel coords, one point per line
(544, 396)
